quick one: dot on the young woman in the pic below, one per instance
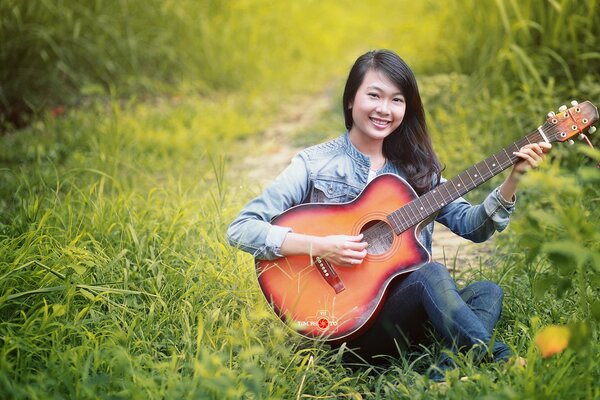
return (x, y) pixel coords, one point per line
(387, 134)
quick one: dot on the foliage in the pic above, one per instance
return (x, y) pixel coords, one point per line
(535, 47)
(559, 231)
(57, 52)
(115, 279)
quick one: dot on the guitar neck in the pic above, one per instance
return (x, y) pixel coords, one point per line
(431, 202)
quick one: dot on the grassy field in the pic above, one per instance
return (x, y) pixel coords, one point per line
(115, 277)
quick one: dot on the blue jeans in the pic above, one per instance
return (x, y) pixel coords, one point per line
(463, 318)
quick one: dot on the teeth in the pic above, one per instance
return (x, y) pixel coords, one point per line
(379, 121)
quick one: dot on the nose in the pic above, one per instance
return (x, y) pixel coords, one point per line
(383, 107)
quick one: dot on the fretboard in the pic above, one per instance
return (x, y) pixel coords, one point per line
(431, 202)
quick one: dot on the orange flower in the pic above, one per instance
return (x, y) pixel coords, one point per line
(552, 339)
(58, 111)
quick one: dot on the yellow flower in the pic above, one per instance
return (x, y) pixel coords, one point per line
(552, 339)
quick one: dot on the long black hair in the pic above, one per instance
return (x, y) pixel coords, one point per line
(409, 146)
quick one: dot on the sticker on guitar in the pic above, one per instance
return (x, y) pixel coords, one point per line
(322, 320)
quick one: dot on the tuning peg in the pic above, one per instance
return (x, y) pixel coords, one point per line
(581, 136)
(592, 130)
(551, 114)
(570, 142)
(574, 103)
(562, 108)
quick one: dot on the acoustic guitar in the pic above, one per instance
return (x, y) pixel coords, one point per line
(321, 300)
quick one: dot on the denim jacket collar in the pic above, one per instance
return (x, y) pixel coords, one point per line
(355, 154)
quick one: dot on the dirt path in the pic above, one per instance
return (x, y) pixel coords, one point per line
(275, 147)
(276, 152)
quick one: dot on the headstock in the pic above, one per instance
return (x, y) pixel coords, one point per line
(569, 122)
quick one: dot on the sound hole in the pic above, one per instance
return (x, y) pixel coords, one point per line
(379, 235)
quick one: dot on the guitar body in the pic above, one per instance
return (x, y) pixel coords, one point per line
(299, 290)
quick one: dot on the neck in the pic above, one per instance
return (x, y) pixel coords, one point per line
(372, 148)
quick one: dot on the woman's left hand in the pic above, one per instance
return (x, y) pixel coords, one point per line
(531, 156)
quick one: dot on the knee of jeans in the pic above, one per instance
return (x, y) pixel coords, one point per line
(434, 269)
(434, 275)
(492, 289)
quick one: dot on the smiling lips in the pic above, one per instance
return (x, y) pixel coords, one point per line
(380, 123)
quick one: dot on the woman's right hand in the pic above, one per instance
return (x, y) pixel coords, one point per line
(341, 250)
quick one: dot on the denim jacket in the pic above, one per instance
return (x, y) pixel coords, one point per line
(336, 172)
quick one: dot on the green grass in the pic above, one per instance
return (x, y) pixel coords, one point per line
(115, 277)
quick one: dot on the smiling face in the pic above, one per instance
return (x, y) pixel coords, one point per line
(377, 109)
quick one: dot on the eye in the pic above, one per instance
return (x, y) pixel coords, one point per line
(373, 95)
(399, 100)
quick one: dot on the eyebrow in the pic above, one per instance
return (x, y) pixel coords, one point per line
(375, 87)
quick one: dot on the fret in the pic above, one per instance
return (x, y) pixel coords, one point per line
(434, 194)
(519, 144)
(439, 197)
(471, 179)
(455, 187)
(477, 175)
(417, 211)
(486, 174)
(467, 181)
(460, 185)
(506, 161)
(507, 155)
(448, 198)
(393, 220)
(516, 147)
(426, 197)
(408, 207)
(401, 222)
(534, 137)
(422, 208)
(416, 218)
(464, 188)
(496, 165)
(429, 207)
(488, 167)
(513, 158)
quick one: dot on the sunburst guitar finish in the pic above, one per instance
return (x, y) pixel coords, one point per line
(298, 288)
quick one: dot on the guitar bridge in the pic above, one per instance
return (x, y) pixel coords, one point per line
(329, 274)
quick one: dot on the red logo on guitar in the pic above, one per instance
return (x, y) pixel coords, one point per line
(323, 323)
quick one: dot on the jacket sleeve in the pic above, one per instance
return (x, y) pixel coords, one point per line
(252, 231)
(477, 223)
